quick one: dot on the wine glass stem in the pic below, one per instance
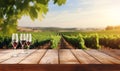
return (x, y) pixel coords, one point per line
(28, 48)
(14, 50)
(22, 48)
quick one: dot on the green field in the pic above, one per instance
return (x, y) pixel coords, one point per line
(80, 40)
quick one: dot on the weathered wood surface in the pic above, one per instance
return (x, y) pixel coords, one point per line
(102, 57)
(84, 58)
(61, 56)
(114, 53)
(34, 58)
(66, 57)
(16, 60)
(3, 52)
(51, 57)
(7, 56)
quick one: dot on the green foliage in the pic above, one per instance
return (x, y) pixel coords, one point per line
(81, 42)
(5, 41)
(112, 41)
(72, 40)
(39, 39)
(76, 41)
(92, 41)
(12, 10)
(59, 2)
(55, 39)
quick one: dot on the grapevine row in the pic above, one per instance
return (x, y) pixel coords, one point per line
(80, 41)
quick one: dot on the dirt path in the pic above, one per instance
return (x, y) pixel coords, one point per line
(64, 44)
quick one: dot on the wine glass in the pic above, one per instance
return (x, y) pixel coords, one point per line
(14, 42)
(22, 41)
(28, 40)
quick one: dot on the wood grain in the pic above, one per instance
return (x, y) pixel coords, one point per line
(83, 57)
(111, 53)
(15, 60)
(59, 67)
(3, 52)
(61, 56)
(102, 57)
(9, 55)
(34, 58)
(66, 57)
(51, 57)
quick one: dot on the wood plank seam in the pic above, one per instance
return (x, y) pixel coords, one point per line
(93, 57)
(51, 57)
(27, 56)
(58, 57)
(109, 55)
(7, 58)
(42, 56)
(105, 59)
(66, 57)
(75, 56)
(16, 60)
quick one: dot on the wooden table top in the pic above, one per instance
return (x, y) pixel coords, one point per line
(61, 56)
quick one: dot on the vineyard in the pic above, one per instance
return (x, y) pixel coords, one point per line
(76, 40)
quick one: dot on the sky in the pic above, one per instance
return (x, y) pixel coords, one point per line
(78, 14)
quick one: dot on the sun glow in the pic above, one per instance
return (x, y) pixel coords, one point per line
(114, 14)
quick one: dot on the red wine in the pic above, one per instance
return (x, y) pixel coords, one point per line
(23, 42)
(14, 44)
(28, 43)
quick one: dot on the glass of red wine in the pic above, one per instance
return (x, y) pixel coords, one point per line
(23, 41)
(28, 40)
(14, 43)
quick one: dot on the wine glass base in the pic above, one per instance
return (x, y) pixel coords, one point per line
(15, 55)
(23, 52)
(26, 51)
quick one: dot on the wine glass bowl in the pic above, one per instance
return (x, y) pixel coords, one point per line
(22, 41)
(28, 40)
(14, 42)
(25, 40)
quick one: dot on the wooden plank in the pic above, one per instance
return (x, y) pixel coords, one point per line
(16, 60)
(83, 57)
(66, 57)
(34, 58)
(116, 51)
(9, 55)
(112, 53)
(3, 52)
(59, 67)
(51, 57)
(102, 57)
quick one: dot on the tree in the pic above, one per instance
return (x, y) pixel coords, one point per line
(109, 28)
(12, 10)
